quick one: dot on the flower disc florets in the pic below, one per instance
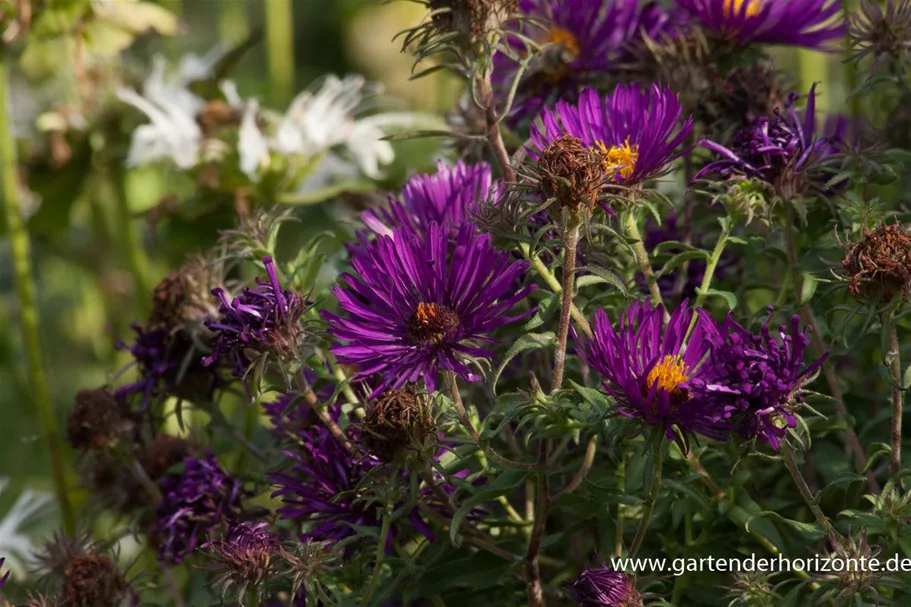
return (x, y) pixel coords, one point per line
(400, 423)
(878, 268)
(604, 587)
(264, 319)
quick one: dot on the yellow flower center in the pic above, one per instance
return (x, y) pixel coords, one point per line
(620, 158)
(668, 374)
(732, 8)
(559, 36)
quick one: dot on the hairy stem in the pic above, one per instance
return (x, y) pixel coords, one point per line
(570, 243)
(896, 368)
(380, 553)
(828, 370)
(20, 247)
(632, 230)
(652, 496)
(805, 492)
(542, 503)
(556, 287)
(313, 401)
(494, 136)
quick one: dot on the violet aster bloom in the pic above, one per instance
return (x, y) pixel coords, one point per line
(638, 129)
(649, 373)
(757, 378)
(264, 318)
(193, 503)
(604, 587)
(581, 38)
(5, 576)
(806, 23)
(445, 197)
(784, 150)
(416, 306)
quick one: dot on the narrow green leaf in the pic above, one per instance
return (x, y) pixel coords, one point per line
(531, 341)
(727, 296)
(503, 484)
(680, 259)
(809, 287)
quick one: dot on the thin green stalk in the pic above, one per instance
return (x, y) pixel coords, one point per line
(380, 553)
(895, 367)
(657, 451)
(805, 492)
(280, 48)
(621, 487)
(20, 246)
(632, 230)
(131, 248)
(555, 286)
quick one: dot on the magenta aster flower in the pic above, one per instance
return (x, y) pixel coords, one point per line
(756, 379)
(807, 23)
(638, 130)
(604, 587)
(649, 373)
(418, 306)
(193, 503)
(265, 318)
(784, 150)
(582, 39)
(445, 197)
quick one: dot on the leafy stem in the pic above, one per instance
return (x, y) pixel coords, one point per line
(805, 492)
(657, 456)
(556, 287)
(380, 553)
(632, 230)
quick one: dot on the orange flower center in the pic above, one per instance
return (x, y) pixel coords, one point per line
(560, 36)
(668, 374)
(431, 323)
(620, 158)
(733, 8)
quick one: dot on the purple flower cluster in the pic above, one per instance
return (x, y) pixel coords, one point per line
(418, 306)
(582, 39)
(697, 375)
(637, 129)
(193, 503)
(604, 587)
(263, 318)
(806, 23)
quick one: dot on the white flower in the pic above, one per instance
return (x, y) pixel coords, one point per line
(173, 133)
(14, 545)
(252, 147)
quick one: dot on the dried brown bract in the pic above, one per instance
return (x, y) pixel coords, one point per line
(96, 421)
(399, 423)
(878, 268)
(571, 174)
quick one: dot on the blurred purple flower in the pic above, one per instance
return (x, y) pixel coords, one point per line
(193, 503)
(581, 38)
(247, 556)
(756, 379)
(604, 587)
(5, 576)
(264, 318)
(638, 130)
(806, 23)
(784, 150)
(417, 305)
(649, 373)
(445, 197)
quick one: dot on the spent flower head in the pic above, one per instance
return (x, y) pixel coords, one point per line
(882, 31)
(400, 424)
(248, 556)
(878, 268)
(97, 420)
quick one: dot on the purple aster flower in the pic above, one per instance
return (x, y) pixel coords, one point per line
(581, 38)
(445, 197)
(193, 503)
(264, 318)
(604, 587)
(5, 576)
(784, 150)
(649, 373)
(807, 23)
(756, 379)
(417, 306)
(638, 130)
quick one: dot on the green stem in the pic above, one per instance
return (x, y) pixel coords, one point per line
(570, 243)
(896, 369)
(20, 246)
(702, 292)
(380, 553)
(280, 48)
(555, 286)
(532, 556)
(805, 492)
(657, 450)
(621, 487)
(132, 251)
(632, 230)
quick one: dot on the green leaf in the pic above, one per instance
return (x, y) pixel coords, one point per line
(140, 17)
(605, 276)
(549, 306)
(808, 530)
(727, 296)
(593, 397)
(531, 341)
(809, 287)
(906, 378)
(503, 484)
(322, 194)
(680, 259)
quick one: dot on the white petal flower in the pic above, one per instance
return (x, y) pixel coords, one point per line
(252, 147)
(15, 545)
